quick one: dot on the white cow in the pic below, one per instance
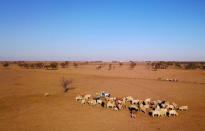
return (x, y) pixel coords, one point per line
(87, 96)
(83, 101)
(110, 105)
(163, 112)
(147, 101)
(99, 102)
(156, 113)
(78, 98)
(135, 102)
(129, 99)
(173, 113)
(183, 108)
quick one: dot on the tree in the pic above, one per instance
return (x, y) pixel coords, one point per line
(178, 65)
(66, 63)
(63, 65)
(39, 65)
(54, 65)
(20, 64)
(25, 65)
(6, 64)
(120, 64)
(32, 66)
(191, 66)
(75, 65)
(203, 67)
(132, 64)
(99, 67)
(110, 67)
(65, 83)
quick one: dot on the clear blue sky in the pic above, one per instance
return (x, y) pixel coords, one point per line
(102, 30)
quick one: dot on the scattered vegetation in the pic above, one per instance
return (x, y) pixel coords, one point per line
(159, 65)
(110, 67)
(120, 64)
(39, 65)
(6, 64)
(85, 63)
(75, 65)
(202, 67)
(113, 67)
(99, 67)
(154, 65)
(178, 65)
(191, 66)
(51, 66)
(54, 66)
(25, 65)
(20, 64)
(67, 63)
(64, 65)
(132, 64)
(31, 65)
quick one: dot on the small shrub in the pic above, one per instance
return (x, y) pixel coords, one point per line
(178, 65)
(99, 67)
(39, 65)
(66, 63)
(169, 63)
(20, 64)
(159, 65)
(75, 65)
(110, 67)
(32, 66)
(191, 66)
(113, 67)
(63, 65)
(132, 65)
(120, 64)
(65, 83)
(85, 63)
(6, 64)
(25, 65)
(47, 67)
(54, 65)
(203, 67)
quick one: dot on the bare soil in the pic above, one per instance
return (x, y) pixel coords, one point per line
(23, 106)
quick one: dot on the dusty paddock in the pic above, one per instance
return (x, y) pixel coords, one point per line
(23, 106)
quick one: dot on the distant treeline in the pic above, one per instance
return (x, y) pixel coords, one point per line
(48, 65)
(179, 65)
(55, 65)
(41, 65)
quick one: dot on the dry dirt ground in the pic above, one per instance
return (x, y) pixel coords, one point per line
(23, 106)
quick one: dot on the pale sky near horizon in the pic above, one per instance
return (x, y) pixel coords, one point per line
(88, 30)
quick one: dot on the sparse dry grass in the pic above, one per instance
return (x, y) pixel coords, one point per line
(22, 98)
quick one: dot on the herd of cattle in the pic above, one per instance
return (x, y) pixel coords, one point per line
(153, 108)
